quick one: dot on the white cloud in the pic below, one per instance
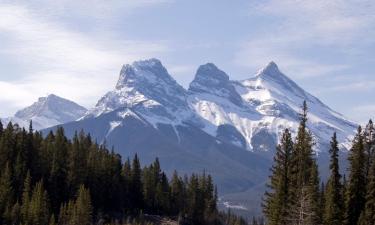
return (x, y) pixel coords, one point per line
(300, 27)
(62, 61)
(364, 113)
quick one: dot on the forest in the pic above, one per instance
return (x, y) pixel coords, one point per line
(52, 180)
(295, 194)
(49, 179)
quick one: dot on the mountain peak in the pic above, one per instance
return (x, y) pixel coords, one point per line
(148, 70)
(144, 83)
(270, 70)
(210, 79)
(208, 75)
(49, 111)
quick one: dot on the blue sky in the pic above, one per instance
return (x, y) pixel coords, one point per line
(75, 49)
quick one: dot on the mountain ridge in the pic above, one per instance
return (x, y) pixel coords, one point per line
(48, 111)
(224, 127)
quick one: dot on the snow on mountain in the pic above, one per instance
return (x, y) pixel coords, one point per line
(271, 102)
(250, 114)
(48, 111)
(279, 100)
(147, 88)
(227, 128)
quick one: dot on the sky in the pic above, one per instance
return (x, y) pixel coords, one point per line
(75, 49)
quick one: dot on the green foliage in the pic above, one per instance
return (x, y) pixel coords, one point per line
(300, 201)
(333, 213)
(277, 200)
(39, 206)
(84, 183)
(304, 181)
(356, 188)
(368, 214)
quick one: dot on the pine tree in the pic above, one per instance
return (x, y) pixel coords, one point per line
(276, 203)
(356, 188)
(333, 212)
(368, 214)
(1, 128)
(58, 172)
(39, 209)
(7, 144)
(15, 217)
(26, 199)
(177, 194)
(136, 185)
(305, 178)
(369, 145)
(126, 182)
(82, 213)
(6, 193)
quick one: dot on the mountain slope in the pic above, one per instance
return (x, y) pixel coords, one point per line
(227, 128)
(48, 111)
(268, 103)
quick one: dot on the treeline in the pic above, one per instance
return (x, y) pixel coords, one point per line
(295, 194)
(53, 180)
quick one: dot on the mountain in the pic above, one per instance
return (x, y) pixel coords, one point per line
(227, 128)
(48, 111)
(253, 113)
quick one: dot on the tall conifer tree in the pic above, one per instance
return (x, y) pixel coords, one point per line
(276, 203)
(368, 214)
(333, 213)
(305, 177)
(356, 188)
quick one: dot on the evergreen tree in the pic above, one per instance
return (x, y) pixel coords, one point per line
(136, 184)
(38, 208)
(1, 128)
(82, 213)
(305, 178)
(277, 202)
(333, 212)
(6, 194)
(15, 217)
(24, 211)
(356, 188)
(178, 194)
(58, 172)
(368, 214)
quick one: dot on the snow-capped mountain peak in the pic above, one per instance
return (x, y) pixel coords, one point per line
(48, 111)
(146, 87)
(212, 80)
(250, 114)
(271, 70)
(149, 71)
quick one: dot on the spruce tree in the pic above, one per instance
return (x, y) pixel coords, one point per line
(136, 185)
(6, 193)
(368, 214)
(333, 213)
(305, 178)
(39, 206)
(356, 187)
(369, 145)
(82, 213)
(276, 203)
(1, 128)
(26, 199)
(177, 194)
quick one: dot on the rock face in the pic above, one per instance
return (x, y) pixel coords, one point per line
(227, 128)
(48, 111)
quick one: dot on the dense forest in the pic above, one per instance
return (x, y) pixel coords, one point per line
(53, 180)
(296, 196)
